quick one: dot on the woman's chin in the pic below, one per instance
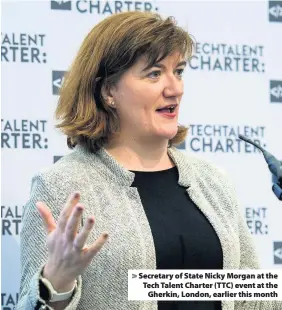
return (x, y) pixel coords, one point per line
(168, 134)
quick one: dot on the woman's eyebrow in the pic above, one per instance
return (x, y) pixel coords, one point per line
(158, 65)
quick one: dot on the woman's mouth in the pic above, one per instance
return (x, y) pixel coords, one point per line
(169, 111)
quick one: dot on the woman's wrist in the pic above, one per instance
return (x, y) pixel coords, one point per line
(59, 284)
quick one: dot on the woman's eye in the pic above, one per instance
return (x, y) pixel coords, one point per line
(155, 74)
(180, 71)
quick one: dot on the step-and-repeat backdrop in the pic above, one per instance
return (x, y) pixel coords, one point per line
(233, 85)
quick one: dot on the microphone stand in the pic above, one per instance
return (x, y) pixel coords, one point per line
(274, 165)
(277, 187)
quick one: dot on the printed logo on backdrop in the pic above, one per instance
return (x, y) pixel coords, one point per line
(182, 146)
(275, 11)
(24, 134)
(11, 217)
(102, 7)
(57, 81)
(11, 220)
(277, 252)
(61, 5)
(9, 300)
(275, 91)
(214, 138)
(256, 219)
(56, 158)
(223, 57)
(23, 47)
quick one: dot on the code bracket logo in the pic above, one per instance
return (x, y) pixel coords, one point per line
(275, 11)
(57, 81)
(64, 5)
(277, 252)
(275, 91)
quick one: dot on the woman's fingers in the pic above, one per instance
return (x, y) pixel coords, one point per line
(68, 225)
(97, 245)
(73, 222)
(81, 238)
(67, 210)
(46, 215)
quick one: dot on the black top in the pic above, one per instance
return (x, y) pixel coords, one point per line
(183, 237)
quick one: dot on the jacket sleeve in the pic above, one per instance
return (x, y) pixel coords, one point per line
(248, 258)
(33, 249)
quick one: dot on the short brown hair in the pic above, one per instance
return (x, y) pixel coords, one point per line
(109, 49)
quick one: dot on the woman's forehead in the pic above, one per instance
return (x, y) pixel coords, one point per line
(173, 58)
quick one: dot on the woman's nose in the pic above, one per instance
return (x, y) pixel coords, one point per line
(173, 88)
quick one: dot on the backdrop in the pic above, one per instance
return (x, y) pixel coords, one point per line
(233, 85)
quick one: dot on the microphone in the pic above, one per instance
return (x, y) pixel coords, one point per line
(274, 165)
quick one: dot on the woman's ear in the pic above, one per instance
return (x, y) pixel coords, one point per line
(106, 94)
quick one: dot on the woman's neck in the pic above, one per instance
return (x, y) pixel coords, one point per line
(140, 157)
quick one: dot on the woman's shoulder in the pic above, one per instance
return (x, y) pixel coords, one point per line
(73, 169)
(205, 174)
(208, 168)
(201, 165)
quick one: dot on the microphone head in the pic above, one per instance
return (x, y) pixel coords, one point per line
(274, 165)
(251, 142)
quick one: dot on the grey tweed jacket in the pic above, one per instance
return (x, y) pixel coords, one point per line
(106, 193)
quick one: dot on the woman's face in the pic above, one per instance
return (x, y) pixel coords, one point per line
(139, 94)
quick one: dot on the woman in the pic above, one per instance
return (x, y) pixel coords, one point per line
(125, 179)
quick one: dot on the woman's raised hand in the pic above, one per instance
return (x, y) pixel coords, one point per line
(68, 256)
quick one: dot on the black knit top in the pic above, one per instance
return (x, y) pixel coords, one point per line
(183, 237)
